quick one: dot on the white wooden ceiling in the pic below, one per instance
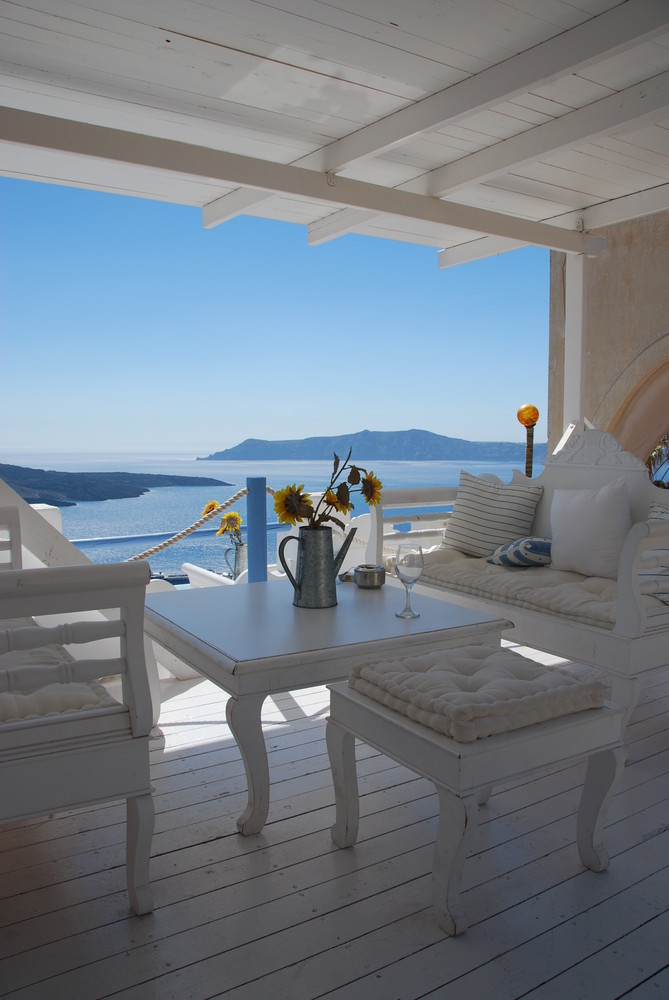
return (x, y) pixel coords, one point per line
(473, 126)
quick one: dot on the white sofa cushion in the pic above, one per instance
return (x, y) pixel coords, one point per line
(589, 528)
(488, 514)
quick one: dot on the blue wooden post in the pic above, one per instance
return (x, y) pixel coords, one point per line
(256, 516)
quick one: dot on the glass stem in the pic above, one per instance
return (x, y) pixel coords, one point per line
(408, 586)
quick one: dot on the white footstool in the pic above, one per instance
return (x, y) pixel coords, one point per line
(434, 713)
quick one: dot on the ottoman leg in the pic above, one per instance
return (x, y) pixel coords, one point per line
(341, 751)
(458, 819)
(603, 769)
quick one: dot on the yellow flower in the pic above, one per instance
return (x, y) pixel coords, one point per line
(371, 489)
(231, 524)
(292, 505)
(341, 500)
(212, 505)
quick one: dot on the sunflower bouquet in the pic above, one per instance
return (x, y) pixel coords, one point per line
(231, 523)
(292, 504)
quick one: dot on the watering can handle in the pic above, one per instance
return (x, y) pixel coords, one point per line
(225, 556)
(282, 545)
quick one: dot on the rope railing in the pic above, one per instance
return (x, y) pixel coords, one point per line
(195, 525)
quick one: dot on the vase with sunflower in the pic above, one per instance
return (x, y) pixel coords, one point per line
(231, 526)
(316, 568)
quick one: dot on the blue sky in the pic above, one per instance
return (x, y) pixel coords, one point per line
(127, 327)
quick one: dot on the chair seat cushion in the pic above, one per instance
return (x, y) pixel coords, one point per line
(477, 690)
(54, 699)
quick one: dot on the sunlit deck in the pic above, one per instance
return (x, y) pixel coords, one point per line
(285, 914)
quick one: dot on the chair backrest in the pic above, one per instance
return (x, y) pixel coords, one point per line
(10, 538)
(70, 593)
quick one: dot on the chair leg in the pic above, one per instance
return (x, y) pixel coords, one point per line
(139, 834)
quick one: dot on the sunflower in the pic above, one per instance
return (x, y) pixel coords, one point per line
(371, 489)
(212, 505)
(231, 524)
(292, 505)
(341, 500)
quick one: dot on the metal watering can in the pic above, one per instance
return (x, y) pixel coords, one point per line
(316, 569)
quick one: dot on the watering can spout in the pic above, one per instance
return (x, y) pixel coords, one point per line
(341, 555)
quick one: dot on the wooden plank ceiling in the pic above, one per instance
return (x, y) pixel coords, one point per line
(473, 126)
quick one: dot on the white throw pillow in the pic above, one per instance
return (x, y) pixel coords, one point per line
(487, 514)
(589, 528)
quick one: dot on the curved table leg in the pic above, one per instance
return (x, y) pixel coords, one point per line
(458, 819)
(244, 718)
(341, 751)
(603, 770)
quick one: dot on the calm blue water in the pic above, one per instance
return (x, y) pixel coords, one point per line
(171, 509)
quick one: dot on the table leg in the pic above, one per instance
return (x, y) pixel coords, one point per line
(341, 751)
(600, 777)
(458, 819)
(244, 718)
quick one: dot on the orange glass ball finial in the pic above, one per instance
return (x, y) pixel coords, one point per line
(528, 415)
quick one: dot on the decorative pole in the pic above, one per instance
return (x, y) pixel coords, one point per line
(256, 518)
(528, 416)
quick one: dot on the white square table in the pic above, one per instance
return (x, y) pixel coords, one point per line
(252, 642)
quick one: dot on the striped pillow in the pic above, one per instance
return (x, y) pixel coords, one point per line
(488, 514)
(523, 552)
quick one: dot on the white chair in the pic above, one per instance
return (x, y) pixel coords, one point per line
(65, 742)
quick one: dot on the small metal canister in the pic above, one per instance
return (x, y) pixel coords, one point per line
(369, 577)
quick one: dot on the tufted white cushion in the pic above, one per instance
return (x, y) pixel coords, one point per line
(476, 691)
(487, 514)
(54, 699)
(589, 528)
(523, 552)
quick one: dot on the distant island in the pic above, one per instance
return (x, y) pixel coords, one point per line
(65, 489)
(374, 446)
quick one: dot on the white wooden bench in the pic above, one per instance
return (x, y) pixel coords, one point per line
(635, 637)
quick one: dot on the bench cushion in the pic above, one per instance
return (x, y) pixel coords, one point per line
(477, 690)
(588, 600)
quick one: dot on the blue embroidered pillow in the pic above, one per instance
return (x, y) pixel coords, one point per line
(522, 552)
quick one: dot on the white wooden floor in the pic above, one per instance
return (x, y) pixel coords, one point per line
(287, 915)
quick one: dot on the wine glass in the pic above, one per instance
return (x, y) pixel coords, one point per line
(408, 566)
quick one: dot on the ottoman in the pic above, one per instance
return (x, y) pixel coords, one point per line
(468, 719)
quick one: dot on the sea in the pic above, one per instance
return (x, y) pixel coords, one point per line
(116, 530)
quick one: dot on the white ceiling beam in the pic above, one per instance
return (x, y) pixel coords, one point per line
(465, 253)
(608, 213)
(631, 108)
(229, 206)
(614, 31)
(114, 145)
(337, 224)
